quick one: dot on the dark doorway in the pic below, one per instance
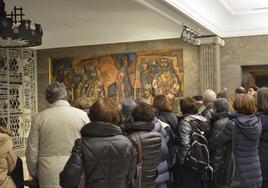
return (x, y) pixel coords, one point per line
(255, 75)
(261, 80)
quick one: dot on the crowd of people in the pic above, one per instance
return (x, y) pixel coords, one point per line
(216, 142)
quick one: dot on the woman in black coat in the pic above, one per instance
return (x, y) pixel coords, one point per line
(164, 108)
(247, 134)
(262, 101)
(141, 130)
(106, 156)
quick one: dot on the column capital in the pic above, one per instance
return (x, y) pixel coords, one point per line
(212, 40)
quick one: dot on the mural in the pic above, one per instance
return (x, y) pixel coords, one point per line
(121, 75)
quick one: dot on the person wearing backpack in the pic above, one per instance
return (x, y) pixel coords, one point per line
(192, 127)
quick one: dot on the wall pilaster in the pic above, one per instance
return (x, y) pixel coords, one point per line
(209, 56)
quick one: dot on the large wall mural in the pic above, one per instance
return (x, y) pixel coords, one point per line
(120, 76)
(18, 93)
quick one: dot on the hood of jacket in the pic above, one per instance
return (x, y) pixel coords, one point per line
(249, 125)
(139, 126)
(100, 129)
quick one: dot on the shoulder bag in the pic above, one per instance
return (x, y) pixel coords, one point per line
(138, 180)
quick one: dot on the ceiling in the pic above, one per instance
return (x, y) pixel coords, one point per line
(227, 18)
(88, 22)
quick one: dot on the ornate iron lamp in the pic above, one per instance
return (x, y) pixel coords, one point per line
(16, 32)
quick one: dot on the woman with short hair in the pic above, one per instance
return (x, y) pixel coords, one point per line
(262, 103)
(105, 155)
(247, 129)
(141, 132)
(165, 112)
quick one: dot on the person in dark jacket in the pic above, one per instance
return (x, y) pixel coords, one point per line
(219, 120)
(165, 114)
(208, 98)
(164, 108)
(185, 176)
(248, 132)
(151, 142)
(106, 156)
(262, 101)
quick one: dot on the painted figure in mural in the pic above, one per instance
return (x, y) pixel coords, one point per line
(124, 86)
(166, 82)
(147, 69)
(60, 73)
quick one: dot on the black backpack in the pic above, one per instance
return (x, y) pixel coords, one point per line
(198, 156)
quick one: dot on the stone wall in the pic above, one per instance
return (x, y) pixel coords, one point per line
(241, 51)
(190, 60)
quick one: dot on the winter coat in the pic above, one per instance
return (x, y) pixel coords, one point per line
(51, 140)
(207, 112)
(8, 160)
(248, 131)
(163, 168)
(169, 118)
(151, 149)
(263, 147)
(172, 120)
(217, 154)
(106, 156)
(184, 136)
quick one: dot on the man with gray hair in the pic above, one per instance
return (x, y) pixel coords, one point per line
(52, 136)
(209, 97)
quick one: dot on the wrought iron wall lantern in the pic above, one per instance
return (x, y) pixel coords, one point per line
(16, 32)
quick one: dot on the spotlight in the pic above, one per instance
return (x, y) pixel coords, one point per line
(190, 36)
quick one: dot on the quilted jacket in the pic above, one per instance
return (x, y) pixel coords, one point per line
(248, 131)
(151, 149)
(217, 154)
(184, 136)
(106, 156)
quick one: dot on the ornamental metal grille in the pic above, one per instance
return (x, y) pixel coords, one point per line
(18, 92)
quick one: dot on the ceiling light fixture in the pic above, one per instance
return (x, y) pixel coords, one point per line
(190, 36)
(16, 32)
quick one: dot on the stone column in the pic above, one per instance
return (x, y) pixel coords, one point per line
(209, 56)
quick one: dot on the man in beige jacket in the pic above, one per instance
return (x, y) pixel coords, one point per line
(52, 136)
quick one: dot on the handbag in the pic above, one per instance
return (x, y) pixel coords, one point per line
(31, 183)
(138, 180)
(17, 174)
(228, 173)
